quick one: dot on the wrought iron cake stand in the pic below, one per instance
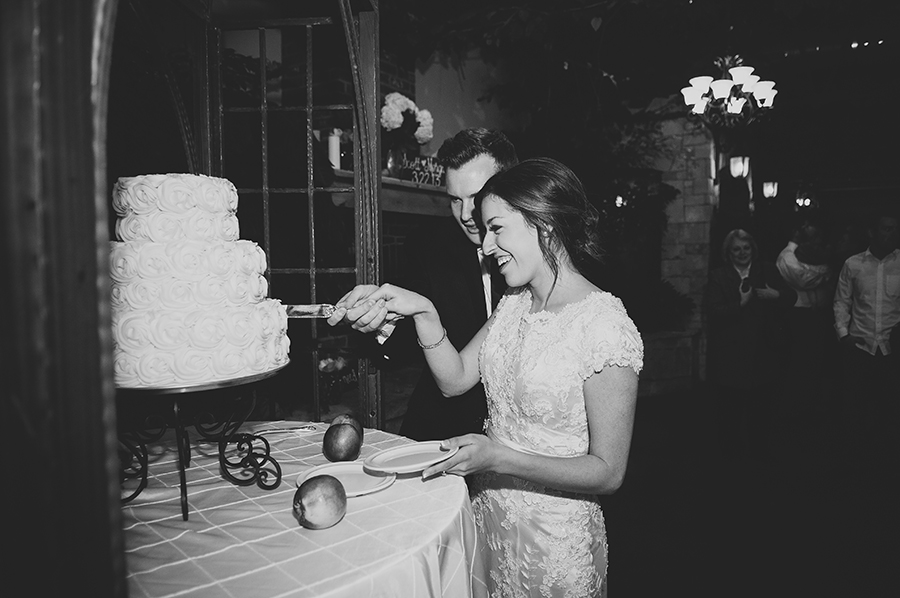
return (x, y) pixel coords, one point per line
(249, 463)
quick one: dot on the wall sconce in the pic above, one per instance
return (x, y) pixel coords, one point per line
(770, 189)
(806, 199)
(740, 166)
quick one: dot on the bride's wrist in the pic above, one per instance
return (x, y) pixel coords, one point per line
(428, 326)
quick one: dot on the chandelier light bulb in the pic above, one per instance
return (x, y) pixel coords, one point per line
(740, 73)
(701, 83)
(766, 99)
(750, 83)
(721, 88)
(763, 88)
(735, 105)
(770, 189)
(691, 95)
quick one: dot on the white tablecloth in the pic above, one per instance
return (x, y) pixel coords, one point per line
(412, 539)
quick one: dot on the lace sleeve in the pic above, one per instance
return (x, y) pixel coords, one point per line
(611, 338)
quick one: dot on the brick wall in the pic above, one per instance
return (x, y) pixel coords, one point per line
(397, 75)
(685, 244)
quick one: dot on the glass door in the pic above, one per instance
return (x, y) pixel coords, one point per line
(283, 104)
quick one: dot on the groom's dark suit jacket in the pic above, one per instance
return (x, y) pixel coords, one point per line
(442, 264)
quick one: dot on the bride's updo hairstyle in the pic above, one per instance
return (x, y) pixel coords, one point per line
(551, 199)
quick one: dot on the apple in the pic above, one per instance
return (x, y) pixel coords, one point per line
(346, 418)
(320, 502)
(343, 439)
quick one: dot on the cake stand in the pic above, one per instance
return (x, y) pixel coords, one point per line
(249, 463)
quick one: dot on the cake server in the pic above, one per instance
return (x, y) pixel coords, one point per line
(315, 310)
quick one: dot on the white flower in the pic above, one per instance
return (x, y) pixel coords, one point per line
(391, 117)
(426, 126)
(395, 104)
(400, 102)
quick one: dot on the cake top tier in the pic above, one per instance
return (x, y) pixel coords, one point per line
(173, 193)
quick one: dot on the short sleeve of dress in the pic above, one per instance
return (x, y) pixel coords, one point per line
(610, 337)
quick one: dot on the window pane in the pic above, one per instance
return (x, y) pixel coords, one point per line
(333, 145)
(335, 231)
(287, 149)
(240, 69)
(242, 135)
(331, 66)
(338, 382)
(289, 230)
(291, 289)
(293, 68)
(250, 217)
(330, 288)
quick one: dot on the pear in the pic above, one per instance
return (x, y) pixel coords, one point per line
(320, 502)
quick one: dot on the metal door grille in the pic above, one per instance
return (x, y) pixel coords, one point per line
(290, 280)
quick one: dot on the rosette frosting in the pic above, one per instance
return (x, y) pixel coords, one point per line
(188, 297)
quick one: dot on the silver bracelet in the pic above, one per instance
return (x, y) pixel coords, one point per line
(435, 345)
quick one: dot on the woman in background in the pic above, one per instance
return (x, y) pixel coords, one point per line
(559, 359)
(747, 302)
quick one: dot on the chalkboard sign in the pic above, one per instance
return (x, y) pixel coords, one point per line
(422, 169)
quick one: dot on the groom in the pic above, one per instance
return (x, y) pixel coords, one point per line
(445, 264)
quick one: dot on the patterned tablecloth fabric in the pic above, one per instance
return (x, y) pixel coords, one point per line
(413, 539)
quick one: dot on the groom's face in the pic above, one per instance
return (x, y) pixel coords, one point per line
(462, 185)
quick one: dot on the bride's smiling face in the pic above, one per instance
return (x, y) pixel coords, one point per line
(513, 243)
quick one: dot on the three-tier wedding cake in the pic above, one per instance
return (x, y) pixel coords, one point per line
(189, 302)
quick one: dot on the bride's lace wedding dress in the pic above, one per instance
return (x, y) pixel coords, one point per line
(541, 541)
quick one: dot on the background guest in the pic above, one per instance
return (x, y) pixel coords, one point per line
(746, 302)
(866, 309)
(803, 264)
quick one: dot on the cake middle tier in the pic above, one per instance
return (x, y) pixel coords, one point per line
(148, 275)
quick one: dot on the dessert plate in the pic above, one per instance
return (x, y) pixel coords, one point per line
(408, 458)
(356, 481)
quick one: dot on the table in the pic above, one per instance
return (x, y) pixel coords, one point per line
(411, 539)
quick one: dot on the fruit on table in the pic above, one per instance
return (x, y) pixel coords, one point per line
(320, 502)
(343, 439)
(345, 418)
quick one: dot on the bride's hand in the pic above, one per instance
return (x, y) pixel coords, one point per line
(476, 453)
(367, 308)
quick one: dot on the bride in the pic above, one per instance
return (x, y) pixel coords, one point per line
(559, 359)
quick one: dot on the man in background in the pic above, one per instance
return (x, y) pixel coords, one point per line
(445, 264)
(866, 309)
(803, 264)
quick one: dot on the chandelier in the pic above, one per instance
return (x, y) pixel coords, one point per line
(738, 97)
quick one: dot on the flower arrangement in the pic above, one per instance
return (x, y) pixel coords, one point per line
(398, 117)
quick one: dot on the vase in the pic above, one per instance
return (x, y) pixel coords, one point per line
(394, 161)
